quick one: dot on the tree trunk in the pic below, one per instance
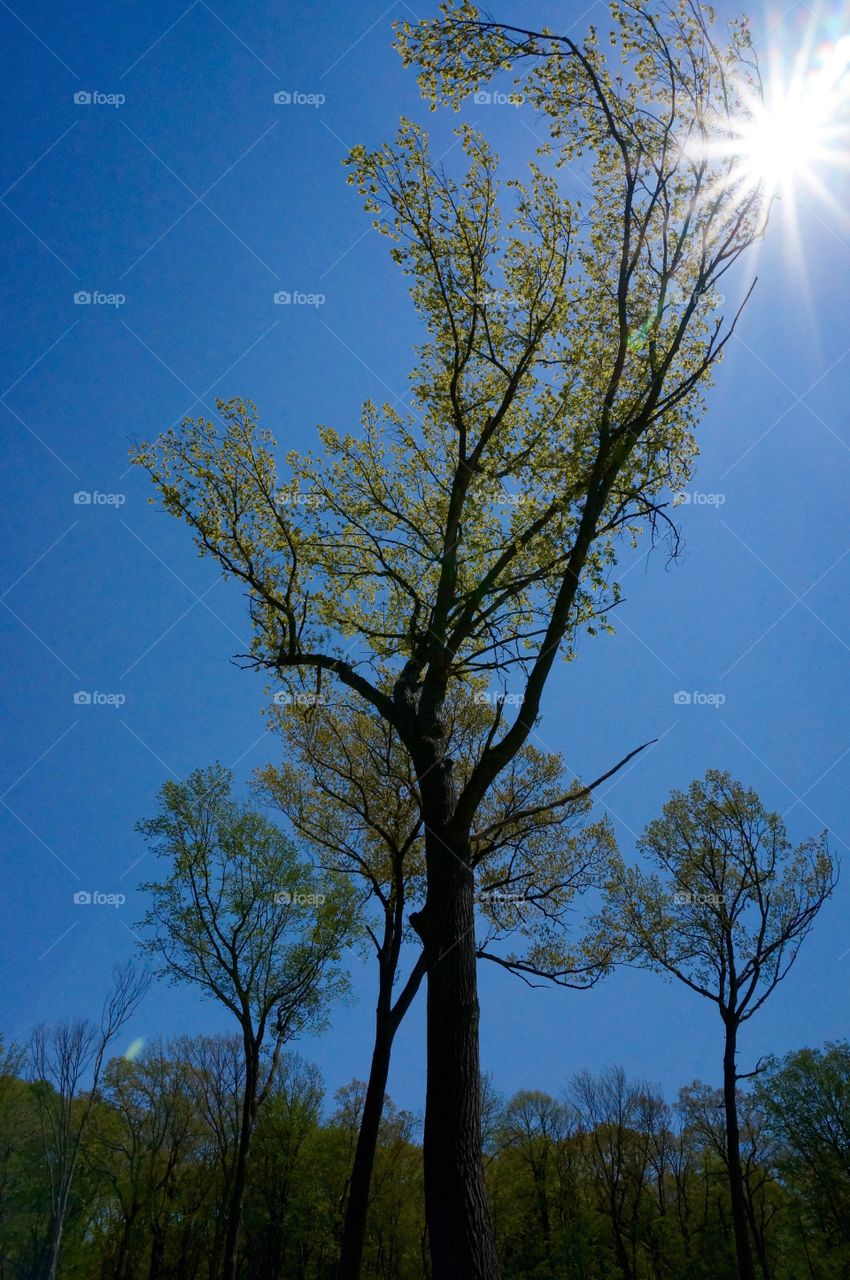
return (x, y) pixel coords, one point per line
(57, 1226)
(459, 1228)
(733, 1147)
(387, 1022)
(55, 1245)
(761, 1254)
(124, 1245)
(757, 1233)
(157, 1254)
(620, 1250)
(354, 1230)
(542, 1193)
(240, 1176)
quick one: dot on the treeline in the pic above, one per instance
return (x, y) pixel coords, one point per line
(607, 1180)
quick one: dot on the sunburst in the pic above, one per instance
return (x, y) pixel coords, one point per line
(797, 128)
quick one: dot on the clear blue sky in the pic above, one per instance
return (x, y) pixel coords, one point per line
(197, 198)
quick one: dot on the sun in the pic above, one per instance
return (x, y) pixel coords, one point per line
(783, 142)
(797, 127)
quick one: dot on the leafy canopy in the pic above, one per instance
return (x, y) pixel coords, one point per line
(238, 914)
(730, 900)
(553, 400)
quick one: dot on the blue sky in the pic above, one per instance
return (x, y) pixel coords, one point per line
(194, 200)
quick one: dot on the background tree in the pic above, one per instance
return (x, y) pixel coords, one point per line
(216, 1076)
(67, 1064)
(239, 916)
(704, 1112)
(394, 1239)
(147, 1134)
(565, 357)
(285, 1208)
(536, 1126)
(806, 1099)
(620, 1118)
(23, 1175)
(725, 913)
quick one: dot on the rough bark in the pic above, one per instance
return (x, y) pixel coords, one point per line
(737, 1192)
(240, 1174)
(459, 1227)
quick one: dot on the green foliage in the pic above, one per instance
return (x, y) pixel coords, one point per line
(24, 1184)
(731, 901)
(238, 914)
(349, 788)
(806, 1098)
(604, 1183)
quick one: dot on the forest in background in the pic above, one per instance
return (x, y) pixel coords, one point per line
(606, 1180)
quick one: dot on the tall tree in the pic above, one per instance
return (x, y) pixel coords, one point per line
(348, 787)
(553, 403)
(348, 790)
(725, 912)
(239, 916)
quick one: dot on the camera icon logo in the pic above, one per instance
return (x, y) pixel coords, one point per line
(482, 98)
(282, 98)
(82, 98)
(82, 298)
(283, 899)
(282, 298)
(682, 698)
(82, 898)
(82, 698)
(82, 498)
